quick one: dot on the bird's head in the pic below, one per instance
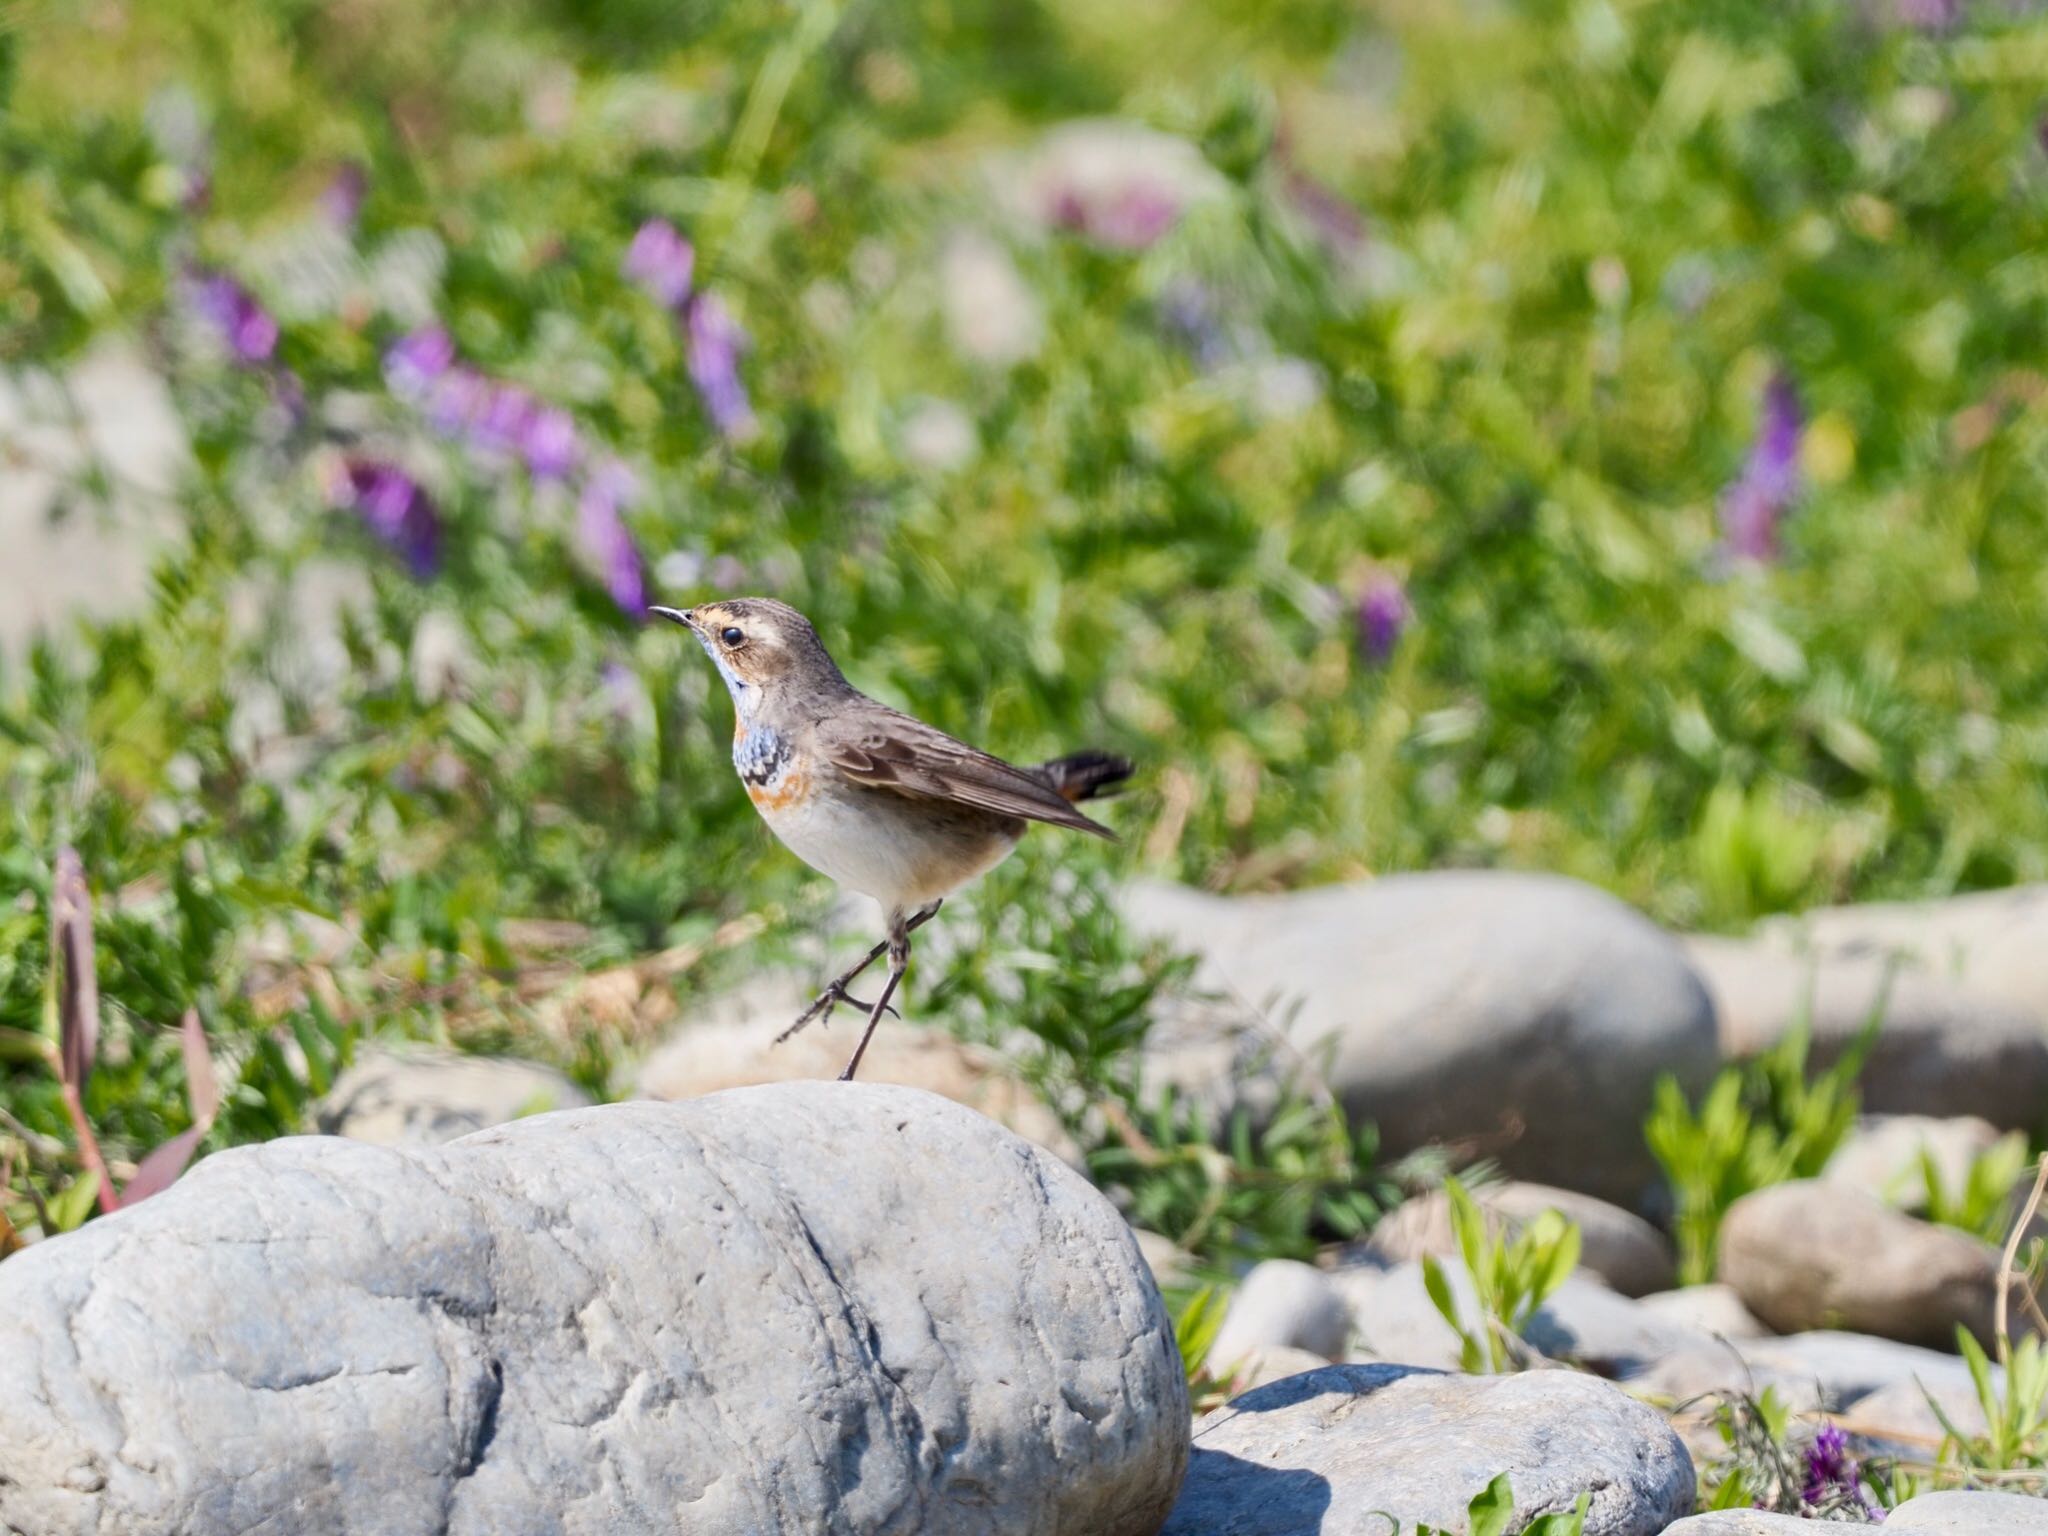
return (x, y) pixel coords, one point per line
(761, 647)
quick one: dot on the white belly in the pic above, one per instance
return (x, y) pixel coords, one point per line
(879, 844)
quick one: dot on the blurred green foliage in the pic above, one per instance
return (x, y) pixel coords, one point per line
(1478, 298)
(1761, 1122)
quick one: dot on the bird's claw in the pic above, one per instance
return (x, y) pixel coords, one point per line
(823, 1004)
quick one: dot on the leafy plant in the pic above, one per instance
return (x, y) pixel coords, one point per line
(1512, 1276)
(2014, 1445)
(1194, 1332)
(1984, 1204)
(1760, 1123)
(1492, 1513)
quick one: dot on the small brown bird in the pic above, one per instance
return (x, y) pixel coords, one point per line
(882, 803)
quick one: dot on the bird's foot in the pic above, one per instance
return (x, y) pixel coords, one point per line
(822, 1005)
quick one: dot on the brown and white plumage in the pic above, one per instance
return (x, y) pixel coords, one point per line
(876, 799)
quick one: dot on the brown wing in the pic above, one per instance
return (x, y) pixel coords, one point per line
(878, 747)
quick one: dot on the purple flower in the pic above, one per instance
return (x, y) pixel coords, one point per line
(1834, 1479)
(606, 539)
(457, 400)
(499, 421)
(1753, 507)
(394, 508)
(1928, 15)
(661, 261)
(416, 362)
(549, 443)
(1382, 618)
(342, 199)
(244, 326)
(716, 342)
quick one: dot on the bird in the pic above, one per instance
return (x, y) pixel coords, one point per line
(874, 798)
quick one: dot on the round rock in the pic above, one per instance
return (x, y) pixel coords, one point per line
(1335, 1449)
(1528, 1014)
(1809, 1255)
(819, 1307)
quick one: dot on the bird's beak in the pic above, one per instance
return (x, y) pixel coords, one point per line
(687, 617)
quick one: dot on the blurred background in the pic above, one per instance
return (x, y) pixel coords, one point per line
(1603, 437)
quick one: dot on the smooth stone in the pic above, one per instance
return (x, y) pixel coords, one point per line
(1882, 1155)
(1581, 1323)
(732, 1045)
(1972, 1512)
(811, 1306)
(421, 1096)
(1989, 941)
(1619, 1246)
(1528, 1014)
(1942, 1050)
(1745, 1522)
(1283, 1303)
(1331, 1450)
(1712, 1308)
(1808, 1255)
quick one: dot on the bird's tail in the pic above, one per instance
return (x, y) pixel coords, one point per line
(1085, 775)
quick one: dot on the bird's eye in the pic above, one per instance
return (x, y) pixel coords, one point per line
(731, 637)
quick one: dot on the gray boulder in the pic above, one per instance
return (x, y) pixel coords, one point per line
(1943, 1049)
(1899, 1421)
(1972, 1512)
(1619, 1246)
(1808, 1255)
(1329, 1451)
(421, 1096)
(812, 1306)
(1526, 1014)
(1746, 1522)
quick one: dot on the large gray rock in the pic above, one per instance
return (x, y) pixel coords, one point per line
(1618, 1246)
(814, 1306)
(1746, 1522)
(1972, 1512)
(1943, 1048)
(1989, 941)
(1527, 1014)
(1336, 1450)
(420, 1096)
(1808, 1255)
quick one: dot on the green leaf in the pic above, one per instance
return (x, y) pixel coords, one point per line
(1491, 1508)
(73, 1203)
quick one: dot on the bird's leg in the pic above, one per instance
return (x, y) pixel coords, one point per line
(835, 991)
(899, 962)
